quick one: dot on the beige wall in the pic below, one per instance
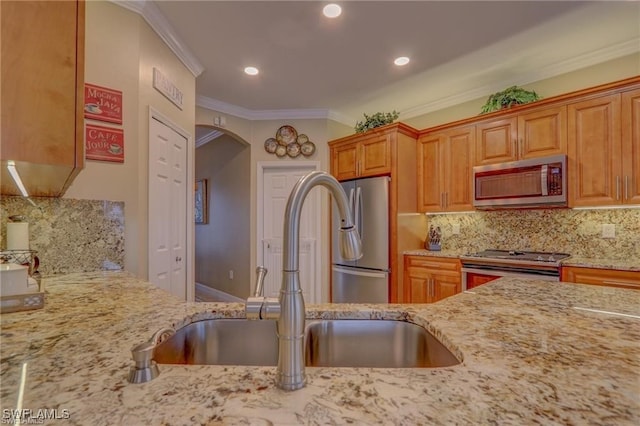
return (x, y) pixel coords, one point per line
(222, 245)
(121, 51)
(606, 72)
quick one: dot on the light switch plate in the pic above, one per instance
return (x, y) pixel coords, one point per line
(608, 230)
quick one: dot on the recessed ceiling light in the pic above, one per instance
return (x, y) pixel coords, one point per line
(332, 10)
(402, 60)
(251, 70)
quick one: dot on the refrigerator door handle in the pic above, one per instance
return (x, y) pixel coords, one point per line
(352, 204)
(360, 272)
(358, 211)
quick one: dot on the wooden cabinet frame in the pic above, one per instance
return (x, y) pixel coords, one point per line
(384, 151)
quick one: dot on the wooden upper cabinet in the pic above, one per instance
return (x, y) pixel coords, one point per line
(631, 146)
(344, 161)
(429, 172)
(542, 133)
(445, 160)
(532, 134)
(369, 156)
(42, 94)
(496, 141)
(595, 150)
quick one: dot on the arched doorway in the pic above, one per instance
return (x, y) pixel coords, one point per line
(222, 240)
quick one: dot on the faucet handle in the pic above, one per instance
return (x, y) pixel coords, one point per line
(261, 272)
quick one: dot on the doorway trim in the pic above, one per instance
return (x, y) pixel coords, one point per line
(190, 224)
(262, 167)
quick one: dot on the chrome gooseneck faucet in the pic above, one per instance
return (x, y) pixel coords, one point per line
(289, 309)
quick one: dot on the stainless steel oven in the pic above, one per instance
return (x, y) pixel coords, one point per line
(482, 267)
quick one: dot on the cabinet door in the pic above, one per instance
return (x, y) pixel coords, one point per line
(458, 155)
(419, 289)
(631, 146)
(605, 277)
(594, 152)
(496, 141)
(42, 93)
(430, 197)
(444, 285)
(375, 156)
(344, 161)
(542, 133)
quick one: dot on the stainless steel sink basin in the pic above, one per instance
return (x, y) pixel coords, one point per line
(221, 342)
(328, 343)
(373, 343)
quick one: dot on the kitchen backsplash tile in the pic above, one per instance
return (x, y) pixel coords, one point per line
(578, 232)
(70, 235)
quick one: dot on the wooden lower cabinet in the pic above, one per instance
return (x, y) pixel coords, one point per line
(605, 277)
(429, 279)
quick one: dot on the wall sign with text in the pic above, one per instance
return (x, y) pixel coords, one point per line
(104, 143)
(101, 103)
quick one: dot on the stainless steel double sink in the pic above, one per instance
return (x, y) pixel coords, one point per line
(328, 343)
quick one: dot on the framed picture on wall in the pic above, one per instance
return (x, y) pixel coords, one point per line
(201, 210)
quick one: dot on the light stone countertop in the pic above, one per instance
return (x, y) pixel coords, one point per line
(529, 357)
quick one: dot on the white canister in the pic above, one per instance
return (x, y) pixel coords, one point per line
(14, 279)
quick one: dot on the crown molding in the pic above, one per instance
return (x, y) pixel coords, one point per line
(156, 20)
(579, 62)
(272, 114)
(208, 137)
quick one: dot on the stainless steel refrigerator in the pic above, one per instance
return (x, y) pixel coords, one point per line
(365, 280)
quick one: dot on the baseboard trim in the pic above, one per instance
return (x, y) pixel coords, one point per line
(207, 294)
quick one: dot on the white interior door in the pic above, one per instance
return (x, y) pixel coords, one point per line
(277, 183)
(167, 208)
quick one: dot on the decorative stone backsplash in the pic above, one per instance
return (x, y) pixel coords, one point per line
(70, 235)
(578, 232)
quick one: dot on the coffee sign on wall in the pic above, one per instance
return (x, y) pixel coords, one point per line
(104, 143)
(101, 103)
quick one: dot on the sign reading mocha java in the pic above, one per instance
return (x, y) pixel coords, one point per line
(102, 104)
(104, 143)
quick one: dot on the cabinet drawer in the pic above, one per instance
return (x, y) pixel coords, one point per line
(440, 264)
(605, 277)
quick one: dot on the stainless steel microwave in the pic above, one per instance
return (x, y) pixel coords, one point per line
(537, 182)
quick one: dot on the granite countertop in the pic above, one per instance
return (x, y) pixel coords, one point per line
(631, 264)
(529, 356)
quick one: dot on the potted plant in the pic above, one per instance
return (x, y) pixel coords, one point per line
(513, 95)
(376, 120)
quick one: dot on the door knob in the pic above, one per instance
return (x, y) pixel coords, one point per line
(178, 259)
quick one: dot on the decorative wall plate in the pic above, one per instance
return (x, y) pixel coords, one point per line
(286, 134)
(302, 138)
(270, 145)
(307, 148)
(281, 151)
(293, 149)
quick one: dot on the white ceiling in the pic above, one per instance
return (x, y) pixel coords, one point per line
(343, 68)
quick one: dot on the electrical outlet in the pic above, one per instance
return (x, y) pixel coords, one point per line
(608, 230)
(455, 229)
(230, 274)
